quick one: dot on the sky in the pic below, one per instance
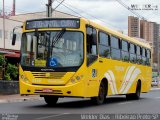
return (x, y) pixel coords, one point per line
(109, 13)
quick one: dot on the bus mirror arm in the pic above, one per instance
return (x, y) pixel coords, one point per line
(14, 35)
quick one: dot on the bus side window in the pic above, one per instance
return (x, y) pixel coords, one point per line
(91, 45)
(148, 57)
(139, 53)
(132, 51)
(91, 41)
(144, 56)
(104, 45)
(124, 51)
(115, 48)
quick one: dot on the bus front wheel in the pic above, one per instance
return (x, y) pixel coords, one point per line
(101, 96)
(51, 100)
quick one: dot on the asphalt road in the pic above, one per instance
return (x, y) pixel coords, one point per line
(68, 107)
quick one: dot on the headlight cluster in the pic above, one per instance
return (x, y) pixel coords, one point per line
(24, 78)
(76, 79)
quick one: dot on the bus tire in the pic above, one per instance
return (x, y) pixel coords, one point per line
(101, 95)
(51, 100)
(136, 95)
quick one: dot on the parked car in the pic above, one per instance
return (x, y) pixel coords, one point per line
(155, 81)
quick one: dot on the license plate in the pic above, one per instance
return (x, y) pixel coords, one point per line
(47, 90)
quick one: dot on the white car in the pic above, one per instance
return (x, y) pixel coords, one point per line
(155, 82)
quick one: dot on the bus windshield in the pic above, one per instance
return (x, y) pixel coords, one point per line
(52, 49)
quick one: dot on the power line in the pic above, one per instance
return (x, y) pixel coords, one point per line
(128, 8)
(58, 5)
(66, 5)
(92, 16)
(71, 9)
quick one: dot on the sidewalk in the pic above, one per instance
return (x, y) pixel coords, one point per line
(155, 88)
(18, 98)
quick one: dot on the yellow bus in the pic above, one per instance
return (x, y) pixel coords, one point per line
(75, 57)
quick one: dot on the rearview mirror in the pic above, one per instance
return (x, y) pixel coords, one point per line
(14, 35)
(14, 39)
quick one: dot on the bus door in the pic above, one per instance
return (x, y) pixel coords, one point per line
(92, 59)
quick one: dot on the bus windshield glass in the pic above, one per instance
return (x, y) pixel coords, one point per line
(52, 49)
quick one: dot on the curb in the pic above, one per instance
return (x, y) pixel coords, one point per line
(153, 89)
(20, 100)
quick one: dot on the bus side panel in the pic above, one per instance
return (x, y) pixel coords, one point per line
(122, 77)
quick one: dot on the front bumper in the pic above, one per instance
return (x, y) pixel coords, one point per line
(73, 90)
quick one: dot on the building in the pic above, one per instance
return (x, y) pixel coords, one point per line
(36, 15)
(6, 32)
(133, 26)
(149, 31)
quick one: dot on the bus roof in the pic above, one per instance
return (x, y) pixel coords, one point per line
(117, 34)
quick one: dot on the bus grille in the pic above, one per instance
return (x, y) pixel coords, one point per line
(50, 75)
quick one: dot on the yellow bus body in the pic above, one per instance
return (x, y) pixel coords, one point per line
(122, 76)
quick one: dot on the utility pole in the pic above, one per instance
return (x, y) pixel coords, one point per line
(4, 25)
(13, 8)
(4, 35)
(158, 56)
(49, 8)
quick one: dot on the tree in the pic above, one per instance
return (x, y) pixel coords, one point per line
(11, 72)
(2, 60)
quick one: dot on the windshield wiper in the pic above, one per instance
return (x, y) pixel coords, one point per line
(57, 37)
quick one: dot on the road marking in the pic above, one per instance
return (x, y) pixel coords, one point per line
(157, 97)
(124, 103)
(43, 118)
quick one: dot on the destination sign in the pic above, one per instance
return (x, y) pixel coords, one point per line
(53, 23)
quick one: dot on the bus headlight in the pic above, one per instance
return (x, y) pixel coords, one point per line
(78, 78)
(73, 81)
(24, 78)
